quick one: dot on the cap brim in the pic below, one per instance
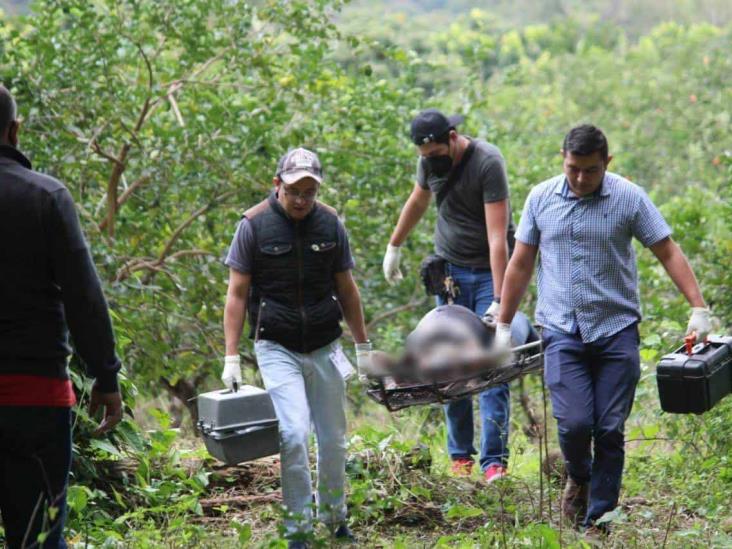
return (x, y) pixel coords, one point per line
(294, 177)
(455, 119)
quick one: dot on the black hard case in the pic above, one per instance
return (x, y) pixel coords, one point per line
(693, 384)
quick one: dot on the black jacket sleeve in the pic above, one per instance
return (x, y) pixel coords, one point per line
(85, 308)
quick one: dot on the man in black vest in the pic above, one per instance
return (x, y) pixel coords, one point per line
(48, 287)
(290, 267)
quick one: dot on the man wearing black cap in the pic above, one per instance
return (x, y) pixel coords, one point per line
(468, 177)
(290, 266)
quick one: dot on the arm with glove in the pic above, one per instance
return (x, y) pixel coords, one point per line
(234, 314)
(496, 221)
(515, 283)
(350, 300)
(682, 275)
(413, 210)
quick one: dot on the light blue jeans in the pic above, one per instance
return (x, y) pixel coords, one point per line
(306, 388)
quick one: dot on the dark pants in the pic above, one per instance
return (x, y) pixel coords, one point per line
(35, 456)
(592, 387)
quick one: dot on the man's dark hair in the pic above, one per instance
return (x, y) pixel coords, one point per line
(8, 110)
(584, 140)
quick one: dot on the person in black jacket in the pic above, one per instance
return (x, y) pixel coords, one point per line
(48, 286)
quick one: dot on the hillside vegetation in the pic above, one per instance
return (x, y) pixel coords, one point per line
(166, 118)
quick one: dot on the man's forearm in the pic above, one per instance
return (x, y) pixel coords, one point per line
(516, 281)
(499, 261)
(353, 314)
(234, 313)
(410, 215)
(682, 275)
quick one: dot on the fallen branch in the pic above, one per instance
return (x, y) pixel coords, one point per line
(241, 500)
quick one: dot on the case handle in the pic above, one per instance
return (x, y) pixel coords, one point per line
(689, 342)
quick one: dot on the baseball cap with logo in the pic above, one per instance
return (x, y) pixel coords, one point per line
(297, 164)
(431, 124)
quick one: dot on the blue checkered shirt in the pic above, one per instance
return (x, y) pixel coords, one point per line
(587, 278)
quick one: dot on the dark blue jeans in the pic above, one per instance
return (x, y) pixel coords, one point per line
(35, 456)
(476, 293)
(592, 388)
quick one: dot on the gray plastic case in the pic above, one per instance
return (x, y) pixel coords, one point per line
(238, 426)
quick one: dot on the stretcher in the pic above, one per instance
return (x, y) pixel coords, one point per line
(447, 380)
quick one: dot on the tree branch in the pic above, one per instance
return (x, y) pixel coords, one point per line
(148, 65)
(156, 265)
(183, 226)
(104, 154)
(124, 197)
(189, 253)
(414, 303)
(121, 163)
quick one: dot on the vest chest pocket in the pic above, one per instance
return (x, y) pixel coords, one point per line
(276, 249)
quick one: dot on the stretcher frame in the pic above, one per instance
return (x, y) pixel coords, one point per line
(398, 394)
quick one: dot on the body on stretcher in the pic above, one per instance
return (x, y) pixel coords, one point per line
(449, 356)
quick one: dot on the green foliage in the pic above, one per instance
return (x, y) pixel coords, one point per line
(166, 119)
(133, 483)
(417, 18)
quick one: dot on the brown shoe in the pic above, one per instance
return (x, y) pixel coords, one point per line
(574, 501)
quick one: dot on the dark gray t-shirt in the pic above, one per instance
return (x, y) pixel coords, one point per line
(460, 233)
(241, 251)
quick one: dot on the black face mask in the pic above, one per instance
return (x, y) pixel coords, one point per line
(440, 165)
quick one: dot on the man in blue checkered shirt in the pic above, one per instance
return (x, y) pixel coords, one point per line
(582, 222)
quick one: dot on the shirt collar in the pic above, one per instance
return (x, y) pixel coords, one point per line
(7, 151)
(561, 187)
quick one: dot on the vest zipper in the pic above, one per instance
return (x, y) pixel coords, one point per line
(259, 320)
(300, 282)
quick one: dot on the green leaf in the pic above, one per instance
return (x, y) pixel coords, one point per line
(105, 446)
(77, 497)
(459, 511)
(244, 531)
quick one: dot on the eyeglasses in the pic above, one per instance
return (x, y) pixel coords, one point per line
(307, 196)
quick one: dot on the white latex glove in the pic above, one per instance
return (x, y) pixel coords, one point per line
(363, 359)
(231, 375)
(502, 341)
(490, 316)
(391, 264)
(699, 322)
